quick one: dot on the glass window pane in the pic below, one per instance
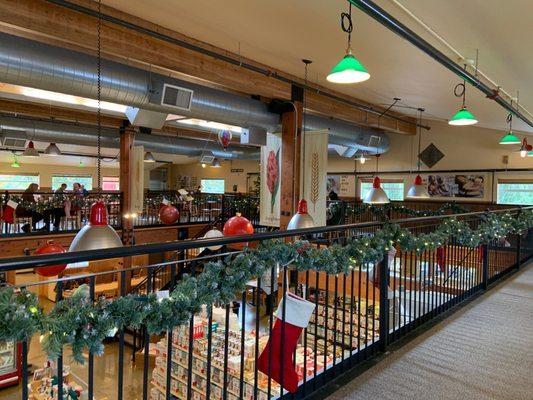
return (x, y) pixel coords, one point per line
(393, 189)
(17, 182)
(515, 193)
(212, 186)
(85, 180)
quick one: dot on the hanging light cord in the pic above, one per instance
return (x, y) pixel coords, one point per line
(421, 110)
(304, 115)
(347, 25)
(99, 96)
(460, 90)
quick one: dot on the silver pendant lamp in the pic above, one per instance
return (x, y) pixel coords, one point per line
(302, 219)
(97, 234)
(418, 190)
(376, 194)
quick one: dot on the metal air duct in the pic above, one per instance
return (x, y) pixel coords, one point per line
(33, 64)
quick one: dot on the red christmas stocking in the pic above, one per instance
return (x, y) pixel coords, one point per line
(441, 258)
(9, 211)
(298, 311)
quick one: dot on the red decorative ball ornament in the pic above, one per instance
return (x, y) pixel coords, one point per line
(238, 226)
(168, 214)
(50, 248)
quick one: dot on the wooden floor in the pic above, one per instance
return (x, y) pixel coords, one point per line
(482, 352)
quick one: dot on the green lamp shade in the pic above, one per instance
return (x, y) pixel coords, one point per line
(530, 154)
(15, 164)
(348, 70)
(463, 117)
(510, 138)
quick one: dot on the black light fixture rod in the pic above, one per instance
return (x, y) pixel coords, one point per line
(387, 20)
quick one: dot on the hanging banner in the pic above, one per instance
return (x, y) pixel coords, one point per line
(342, 185)
(137, 179)
(314, 174)
(270, 180)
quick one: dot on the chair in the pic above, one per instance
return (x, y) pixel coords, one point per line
(71, 222)
(19, 222)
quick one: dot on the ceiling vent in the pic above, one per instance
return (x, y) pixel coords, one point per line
(176, 97)
(206, 159)
(12, 138)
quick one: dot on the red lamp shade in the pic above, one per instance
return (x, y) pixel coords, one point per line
(168, 214)
(50, 248)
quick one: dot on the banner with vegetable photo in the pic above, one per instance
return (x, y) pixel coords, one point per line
(314, 179)
(270, 181)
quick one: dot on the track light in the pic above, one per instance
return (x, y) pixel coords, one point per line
(525, 148)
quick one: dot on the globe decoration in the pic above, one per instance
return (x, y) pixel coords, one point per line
(224, 137)
(168, 214)
(238, 226)
(212, 234)
(50, 248)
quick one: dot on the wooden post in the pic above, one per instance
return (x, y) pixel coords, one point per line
(291, 128)
(127, 135)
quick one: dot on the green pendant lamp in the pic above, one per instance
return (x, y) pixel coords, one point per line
(463, 117)
(511, 138)
(349, 69)
(15, 163)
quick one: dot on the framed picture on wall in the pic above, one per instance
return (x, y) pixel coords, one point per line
(470, 186)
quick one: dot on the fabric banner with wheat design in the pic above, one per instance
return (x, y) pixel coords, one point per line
(270, 181)
(314, 174)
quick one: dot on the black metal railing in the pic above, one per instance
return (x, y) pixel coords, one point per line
(216, 354)
(44, 212)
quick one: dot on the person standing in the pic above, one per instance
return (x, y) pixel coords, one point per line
(59, 205)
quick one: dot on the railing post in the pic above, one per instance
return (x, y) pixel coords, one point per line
(384, 301)
(485, 264)
(518, 250)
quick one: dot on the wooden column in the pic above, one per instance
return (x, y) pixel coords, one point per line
(127, 136)
(291, 128)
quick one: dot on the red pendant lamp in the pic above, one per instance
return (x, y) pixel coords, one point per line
(376, 194)
(98, 234)
(50, 247)
(418, 190)
(302, 219)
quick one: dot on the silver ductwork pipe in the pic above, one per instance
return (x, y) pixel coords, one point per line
(83, 135)
(29, 63)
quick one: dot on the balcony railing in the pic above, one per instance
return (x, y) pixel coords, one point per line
(218, 351)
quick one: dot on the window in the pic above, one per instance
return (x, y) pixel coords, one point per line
(212, 186)
(17, 182)
(85, 180)
(520, 193)
(110, 183)
(393, 189)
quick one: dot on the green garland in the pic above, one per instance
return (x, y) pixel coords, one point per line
(84, 324)
(382, 211)
(57, 200)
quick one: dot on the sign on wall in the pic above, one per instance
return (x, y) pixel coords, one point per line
(343, 185)
(462, 186)
(314, 174)
(270, 188)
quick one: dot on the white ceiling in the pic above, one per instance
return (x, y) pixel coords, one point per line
(280, 33)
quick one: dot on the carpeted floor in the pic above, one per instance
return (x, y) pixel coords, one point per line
(482, 352)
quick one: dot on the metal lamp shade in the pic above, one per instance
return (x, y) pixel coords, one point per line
(418, 190)
(348, 70)
(301, 219)
(30, 151)
(52, 150)
(97, 234)
(463, 117)
(376, 195)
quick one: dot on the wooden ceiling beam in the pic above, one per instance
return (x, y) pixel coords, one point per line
(52, 23)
